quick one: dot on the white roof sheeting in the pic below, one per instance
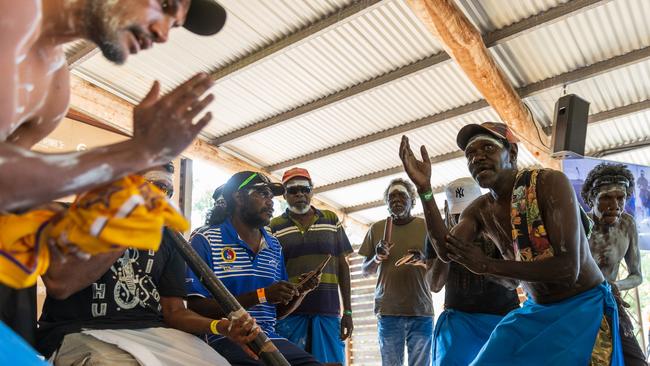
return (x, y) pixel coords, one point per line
(384, 37)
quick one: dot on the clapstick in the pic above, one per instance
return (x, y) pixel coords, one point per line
(261, 345)
(388, 229)
(316, 272)
(388, 234)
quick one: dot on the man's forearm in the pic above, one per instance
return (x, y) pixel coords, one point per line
(210, 307)
(632, 281)
(440, 273)
(51, 176)
(436, 227)
(561, 270)
(64, 278)
(344, 283)
(189, 321)
(370, 266)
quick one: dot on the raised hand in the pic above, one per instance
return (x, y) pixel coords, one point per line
(163, 126)
(418, 171)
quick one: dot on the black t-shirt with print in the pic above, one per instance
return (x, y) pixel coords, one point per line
(127, 296)
(472, 293)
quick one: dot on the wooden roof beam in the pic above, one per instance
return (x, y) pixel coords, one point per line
(491, 39)
(463, 42)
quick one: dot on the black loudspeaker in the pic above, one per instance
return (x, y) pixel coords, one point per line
(570, 127)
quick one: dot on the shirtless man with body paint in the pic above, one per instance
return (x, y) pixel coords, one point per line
(36, 93)
(614, 239)
(566, 316)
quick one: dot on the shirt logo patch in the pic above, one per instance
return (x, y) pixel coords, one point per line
(228, 254)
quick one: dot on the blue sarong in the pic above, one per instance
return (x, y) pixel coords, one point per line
(322, 331)
(558, 334)
(15, 351)
(459, 336)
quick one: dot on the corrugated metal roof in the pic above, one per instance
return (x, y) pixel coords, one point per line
(597, 34)
(604, 92)
(489, 15)
(625, 130)
(380, 109)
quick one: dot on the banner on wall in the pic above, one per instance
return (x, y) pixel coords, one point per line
(638, 205)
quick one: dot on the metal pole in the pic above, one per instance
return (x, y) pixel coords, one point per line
(261, 345)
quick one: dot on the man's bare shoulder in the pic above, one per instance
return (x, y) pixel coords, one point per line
(20, 20)
(478, 205)
(552, 182)
(627, 221)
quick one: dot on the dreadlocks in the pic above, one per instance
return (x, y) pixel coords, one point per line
(606, 173)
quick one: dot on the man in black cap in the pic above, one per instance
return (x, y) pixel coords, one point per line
(249, 262)
(532, 216)
(36, 95)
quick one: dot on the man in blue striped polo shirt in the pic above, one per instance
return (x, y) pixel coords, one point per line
(308, 236)
(249, 262)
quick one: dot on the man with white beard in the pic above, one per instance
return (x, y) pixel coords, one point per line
(403, 303)
(308, 236)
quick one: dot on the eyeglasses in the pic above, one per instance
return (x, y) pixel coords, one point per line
(297, 189)
(265, 192)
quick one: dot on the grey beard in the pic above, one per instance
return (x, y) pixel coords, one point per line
(298, 211)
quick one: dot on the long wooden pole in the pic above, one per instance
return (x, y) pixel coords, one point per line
(261, 345)
(463, 42)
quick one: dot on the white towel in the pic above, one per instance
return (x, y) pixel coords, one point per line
(161, 346)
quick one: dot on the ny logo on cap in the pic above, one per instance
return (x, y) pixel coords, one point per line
(460, 192)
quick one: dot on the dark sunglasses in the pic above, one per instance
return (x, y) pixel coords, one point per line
(297, 189)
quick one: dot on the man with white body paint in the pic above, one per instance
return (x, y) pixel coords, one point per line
(614, 239)
(308, 236)
(129, 308)
(36, 95)
(403, 303)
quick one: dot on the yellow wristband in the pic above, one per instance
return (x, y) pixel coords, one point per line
(213, 326)
(261, 295)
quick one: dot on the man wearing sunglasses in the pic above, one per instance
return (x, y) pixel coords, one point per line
(308, 236)
(249, 262)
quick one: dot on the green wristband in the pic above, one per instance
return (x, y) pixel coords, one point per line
(347, 312)
(427, 196)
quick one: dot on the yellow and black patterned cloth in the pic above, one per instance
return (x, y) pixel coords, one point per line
(130, 212)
